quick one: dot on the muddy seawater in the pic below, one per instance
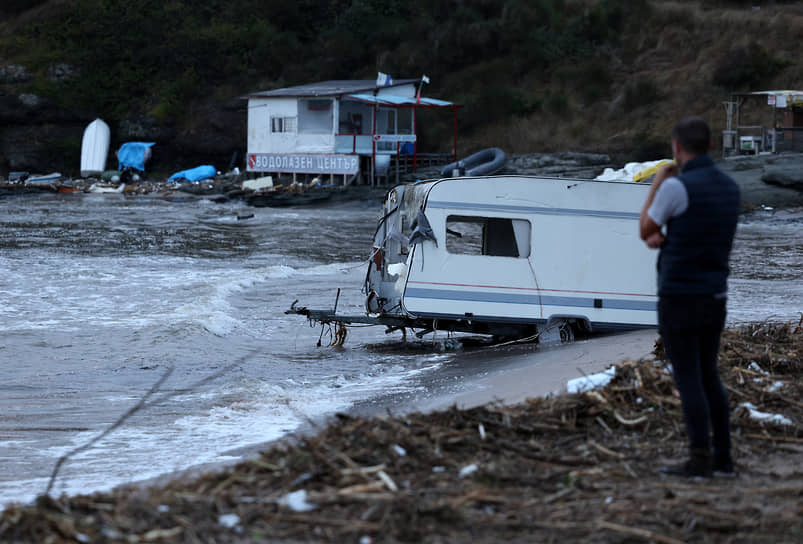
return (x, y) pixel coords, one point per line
(102, 295)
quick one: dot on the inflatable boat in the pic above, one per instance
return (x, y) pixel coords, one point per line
(482, 163)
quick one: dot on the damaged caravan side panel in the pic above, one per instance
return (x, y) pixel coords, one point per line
(522, 250)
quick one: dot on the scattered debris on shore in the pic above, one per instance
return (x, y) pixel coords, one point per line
(571, 468)
(770, 180)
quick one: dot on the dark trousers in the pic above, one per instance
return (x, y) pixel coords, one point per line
(690, 326)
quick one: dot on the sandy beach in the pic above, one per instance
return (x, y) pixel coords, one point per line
(547, 370)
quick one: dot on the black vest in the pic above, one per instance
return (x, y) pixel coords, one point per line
(694, 257)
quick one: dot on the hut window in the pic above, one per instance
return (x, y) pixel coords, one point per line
(282, 124)
(315, 116)
(491, 236)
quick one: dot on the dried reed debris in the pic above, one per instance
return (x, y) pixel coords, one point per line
(579, 467)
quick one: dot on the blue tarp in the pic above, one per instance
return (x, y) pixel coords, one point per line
(195, 174)
(134, 155)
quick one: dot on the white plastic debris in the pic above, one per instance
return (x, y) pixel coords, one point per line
(397, 269)
(163, 508)
(755, 368)
(401, 452)
(467, 470)
(111, 533)
(297, 501)
(775, 387)
(438, 468)
(591, 382)
(630, 169)
(387, 480)
(753, 413)
(258, 183)
(229, 521)
(481, 429)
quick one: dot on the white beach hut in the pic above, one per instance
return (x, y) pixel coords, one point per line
(340, 127)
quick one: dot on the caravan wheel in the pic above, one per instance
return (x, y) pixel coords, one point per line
(566, 332)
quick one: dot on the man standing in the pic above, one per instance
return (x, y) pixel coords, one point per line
(699, 205)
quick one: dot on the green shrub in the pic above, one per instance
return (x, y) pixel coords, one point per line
(642, 92)
(494, 103)
(746, 68)
(650, 148)
(556, 103)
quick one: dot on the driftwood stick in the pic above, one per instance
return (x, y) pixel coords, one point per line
(122, 419)
(629, 422)
(480, 495)
(792, 490)
(603, 425)
(786, 399)
(313, 520)
(387, 480)
(629, 469)
(362, 488)
(634, 531)
(145, 402)
(774, 438)
(740, 519)
(604, 450)
(362, 471)
(554, 496)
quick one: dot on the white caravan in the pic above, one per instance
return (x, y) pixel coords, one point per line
(509, 256)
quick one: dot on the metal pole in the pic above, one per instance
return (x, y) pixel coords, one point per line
(373, 150)
(415, 133)
(455, 133)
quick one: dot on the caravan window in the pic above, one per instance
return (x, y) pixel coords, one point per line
(492, 236)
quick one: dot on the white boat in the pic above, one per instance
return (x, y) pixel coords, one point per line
(509, 256)
(44, 179)
(94, 148)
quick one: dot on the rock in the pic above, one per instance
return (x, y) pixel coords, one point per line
(61, 72)
(745, 163)
(790, 177)
(584, 159)
(28, 108)
(143, 127)
(14, 73)
(569, 164)
(29, 146)
(30, 100)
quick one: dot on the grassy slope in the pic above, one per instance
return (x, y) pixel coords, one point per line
(533, 76)
(663, 68)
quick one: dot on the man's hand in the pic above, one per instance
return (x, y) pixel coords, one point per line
(655, 240)
(664, 172)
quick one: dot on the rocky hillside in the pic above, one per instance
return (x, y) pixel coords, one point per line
(533, 75)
